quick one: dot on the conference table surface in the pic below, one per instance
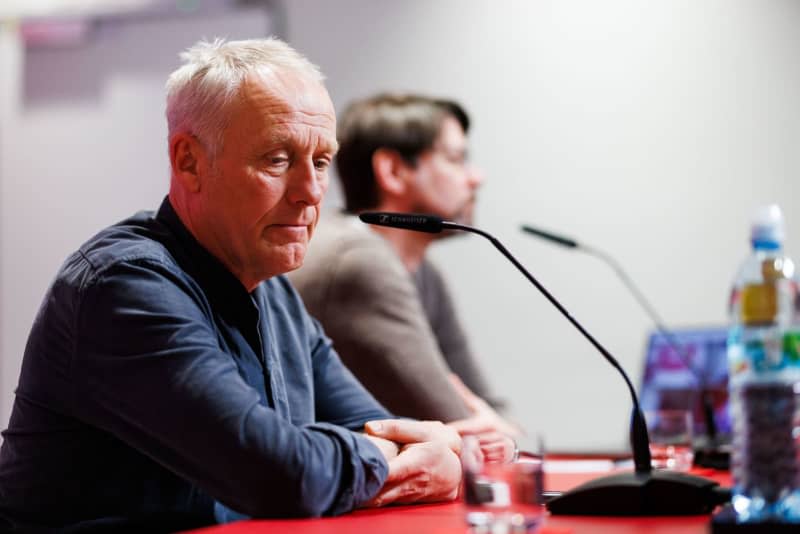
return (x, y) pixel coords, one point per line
(448, 518)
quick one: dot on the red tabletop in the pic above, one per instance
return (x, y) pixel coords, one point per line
(448, 518)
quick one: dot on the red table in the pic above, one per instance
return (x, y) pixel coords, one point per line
(448, 518)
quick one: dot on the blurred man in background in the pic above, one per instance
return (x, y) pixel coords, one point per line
(381, 300)
(172, 377)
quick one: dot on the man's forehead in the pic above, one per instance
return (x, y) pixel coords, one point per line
(283, 107)
(451, 133)
(281, 115)
(295, 90)
(283, 133)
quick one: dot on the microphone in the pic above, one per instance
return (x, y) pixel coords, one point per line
(707, 404)
(407, 221)
(643, 492)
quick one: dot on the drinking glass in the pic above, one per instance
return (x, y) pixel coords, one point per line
(670, 434)
(502, 497)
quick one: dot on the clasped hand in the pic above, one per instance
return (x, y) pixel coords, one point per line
(423, 459)
(494, 434)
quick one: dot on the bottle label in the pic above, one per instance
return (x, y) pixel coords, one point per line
(791, 348)
(762, 351)
(759, 304)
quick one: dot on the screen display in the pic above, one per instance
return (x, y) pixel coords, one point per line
(682, 368)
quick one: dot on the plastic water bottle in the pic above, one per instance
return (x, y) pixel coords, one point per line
(764, 383)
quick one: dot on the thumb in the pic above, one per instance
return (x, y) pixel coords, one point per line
(398, 430)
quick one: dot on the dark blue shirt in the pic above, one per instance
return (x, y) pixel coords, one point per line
(156, 390)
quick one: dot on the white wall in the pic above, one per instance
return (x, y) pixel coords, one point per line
(648, 129)
(82, 145)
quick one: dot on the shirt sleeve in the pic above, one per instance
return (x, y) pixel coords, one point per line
(340, 398)
(148, 369)
(379, 328)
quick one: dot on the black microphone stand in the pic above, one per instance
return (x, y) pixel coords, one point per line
(706, 400)
(641, 493)
(640, 442)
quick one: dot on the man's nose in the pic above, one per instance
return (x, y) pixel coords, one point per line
(475, 176)
(306, 186)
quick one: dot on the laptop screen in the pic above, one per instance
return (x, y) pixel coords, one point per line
(677, 379)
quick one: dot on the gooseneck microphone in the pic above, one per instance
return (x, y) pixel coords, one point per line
(434, 224)
(705, 395)
(643, 492)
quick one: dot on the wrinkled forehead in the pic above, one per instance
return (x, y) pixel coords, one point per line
(281, 100)
(289, 90)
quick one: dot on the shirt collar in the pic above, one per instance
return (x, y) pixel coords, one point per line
(220, 285)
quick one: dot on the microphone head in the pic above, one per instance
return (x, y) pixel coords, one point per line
(550, 236)
(407, 221)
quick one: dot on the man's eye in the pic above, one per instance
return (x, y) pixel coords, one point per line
(459, 159)
(278, 160)
(321, 164)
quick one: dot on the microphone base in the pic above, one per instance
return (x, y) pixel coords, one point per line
(657, 493)
(718, 457)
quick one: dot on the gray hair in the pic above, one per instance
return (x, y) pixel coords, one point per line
(199, 91)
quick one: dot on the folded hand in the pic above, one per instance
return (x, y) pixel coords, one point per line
(427, 468)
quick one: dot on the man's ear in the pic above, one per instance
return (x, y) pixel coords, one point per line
(391, 171)
(189, 160)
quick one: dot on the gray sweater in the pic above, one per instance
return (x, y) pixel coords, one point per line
(397, 332)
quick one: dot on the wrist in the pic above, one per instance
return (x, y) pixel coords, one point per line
(388, 448)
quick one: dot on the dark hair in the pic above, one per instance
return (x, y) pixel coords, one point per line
(407, 124)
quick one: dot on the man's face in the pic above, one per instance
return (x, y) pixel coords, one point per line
(445, 183)
(265, 188)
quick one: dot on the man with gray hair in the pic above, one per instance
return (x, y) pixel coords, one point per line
(173, 377)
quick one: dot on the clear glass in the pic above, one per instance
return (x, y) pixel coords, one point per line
(670, 434)
(502, 497)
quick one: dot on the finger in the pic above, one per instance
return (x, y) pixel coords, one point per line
(493, 446)
(412, 492)
(407, 431)
(491, 437)
(399, 430)
(407, 464)
(498, 455)
(495, 459)
(501, 451)
(474, 460)
(471, 426)
(421, 474)
(489, 449)
(428, 459)
(390, 493)
(387, 447)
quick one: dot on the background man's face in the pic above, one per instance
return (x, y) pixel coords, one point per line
(268, 180)
(445, 183)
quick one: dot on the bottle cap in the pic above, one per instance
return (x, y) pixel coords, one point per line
(767, 230)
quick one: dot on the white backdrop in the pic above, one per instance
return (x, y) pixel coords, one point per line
(648, 129)
(82, 145)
